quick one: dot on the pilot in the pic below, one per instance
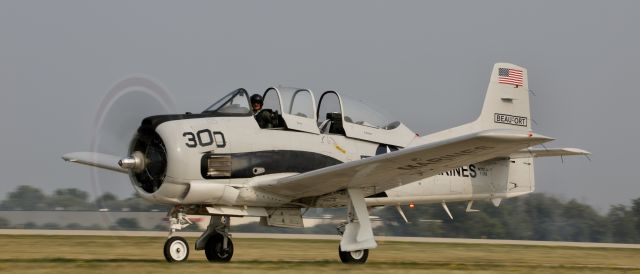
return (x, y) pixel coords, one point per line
(263, 117)
(256, 103)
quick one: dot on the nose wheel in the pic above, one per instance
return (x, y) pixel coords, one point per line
(176, 249)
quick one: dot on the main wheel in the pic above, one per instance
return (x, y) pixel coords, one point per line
(215, 251)
(176, 249)
(353, 257)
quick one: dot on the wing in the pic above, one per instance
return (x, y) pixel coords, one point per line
(382, 172)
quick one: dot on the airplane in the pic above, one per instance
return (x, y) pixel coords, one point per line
(292, 156)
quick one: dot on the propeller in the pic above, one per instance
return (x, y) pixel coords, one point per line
(115, 125)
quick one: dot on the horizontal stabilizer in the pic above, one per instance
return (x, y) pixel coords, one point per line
(552, 152)
(96, 159)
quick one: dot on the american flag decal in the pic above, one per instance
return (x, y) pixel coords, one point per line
(510, 76)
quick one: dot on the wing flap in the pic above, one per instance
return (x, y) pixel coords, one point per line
(96, 159)
(390, 170)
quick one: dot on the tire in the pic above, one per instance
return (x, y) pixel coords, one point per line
(353, 257)
(176, 249)
(214, 251)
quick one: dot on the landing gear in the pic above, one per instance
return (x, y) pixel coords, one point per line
(176, 249)
(357, 234)
(353, 257)
(216, 251)
(215, 241)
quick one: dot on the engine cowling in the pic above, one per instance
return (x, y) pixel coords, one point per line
(148, 161)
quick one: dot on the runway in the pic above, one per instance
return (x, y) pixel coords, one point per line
(115, 252)
(118, 233)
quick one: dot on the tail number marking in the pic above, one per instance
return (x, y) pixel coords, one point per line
(510, 119)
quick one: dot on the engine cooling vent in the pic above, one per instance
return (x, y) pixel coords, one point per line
(216, 166)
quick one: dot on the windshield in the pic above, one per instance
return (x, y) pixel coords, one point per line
(236, 102)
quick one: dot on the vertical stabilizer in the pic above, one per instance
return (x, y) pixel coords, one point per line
(506, 104)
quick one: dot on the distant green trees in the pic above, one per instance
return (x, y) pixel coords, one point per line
(68, 199)
(25, 198)
(532, 217)
(127, 224)
(31, 198)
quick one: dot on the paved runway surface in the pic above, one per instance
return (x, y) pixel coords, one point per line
(310, 236)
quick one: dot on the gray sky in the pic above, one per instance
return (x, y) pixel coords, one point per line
(428, 63)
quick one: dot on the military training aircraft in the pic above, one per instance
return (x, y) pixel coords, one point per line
(291, 156)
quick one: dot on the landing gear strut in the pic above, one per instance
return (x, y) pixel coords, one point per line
(357, 234)
(176, 249)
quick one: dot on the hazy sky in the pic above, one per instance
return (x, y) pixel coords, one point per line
(428, 63)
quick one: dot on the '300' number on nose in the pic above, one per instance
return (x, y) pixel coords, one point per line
(204, 138)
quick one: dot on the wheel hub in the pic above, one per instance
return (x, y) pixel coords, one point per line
(357, 254)
(178, 250)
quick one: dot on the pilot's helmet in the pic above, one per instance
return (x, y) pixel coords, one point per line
(256, 98)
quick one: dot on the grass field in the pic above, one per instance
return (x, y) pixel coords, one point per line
(108, 254)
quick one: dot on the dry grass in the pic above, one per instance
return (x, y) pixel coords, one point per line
(95, 254)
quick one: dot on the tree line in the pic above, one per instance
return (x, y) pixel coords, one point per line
(531, 217)
(30, 198)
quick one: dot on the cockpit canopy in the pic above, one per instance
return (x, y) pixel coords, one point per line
(355, 112)
(236, 103)
(344, 115)
(295, 105)
(335, 114)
